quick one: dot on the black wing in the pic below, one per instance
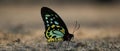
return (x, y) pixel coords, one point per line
(50, 17)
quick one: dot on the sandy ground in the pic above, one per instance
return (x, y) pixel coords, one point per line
(82, 42)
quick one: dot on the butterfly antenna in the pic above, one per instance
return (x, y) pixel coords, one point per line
(77, 26)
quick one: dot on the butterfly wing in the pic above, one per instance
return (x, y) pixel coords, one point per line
(55, 28)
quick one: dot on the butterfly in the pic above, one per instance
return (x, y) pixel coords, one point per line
(55, 28)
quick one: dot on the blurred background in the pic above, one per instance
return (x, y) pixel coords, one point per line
(22, 18)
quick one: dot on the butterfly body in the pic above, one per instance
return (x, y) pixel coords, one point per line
(55, 28)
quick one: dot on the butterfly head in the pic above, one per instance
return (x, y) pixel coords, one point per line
(68, 37)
